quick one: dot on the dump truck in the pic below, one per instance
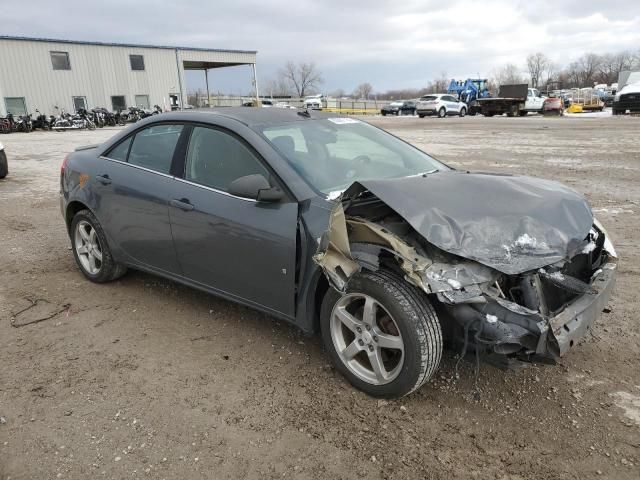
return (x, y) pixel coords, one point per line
(513, 100)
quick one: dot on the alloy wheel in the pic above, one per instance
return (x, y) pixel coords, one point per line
(88, 247)
(367, 339)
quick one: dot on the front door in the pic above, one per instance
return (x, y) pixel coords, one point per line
(237, 246)
(453, 105)
(133, 188)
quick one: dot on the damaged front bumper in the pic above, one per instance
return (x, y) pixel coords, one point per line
(569, 326)
(508, 328)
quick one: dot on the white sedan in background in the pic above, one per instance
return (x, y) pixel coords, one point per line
(440, 104)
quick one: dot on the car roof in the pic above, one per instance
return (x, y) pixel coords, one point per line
(248, 115)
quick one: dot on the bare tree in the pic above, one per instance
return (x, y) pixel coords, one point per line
(337, 93)
(551, 73)
(302, 77)
(278, 86)
(509, 74)
(587, 66)
(363, 91)
(537, 64)
(612, 64)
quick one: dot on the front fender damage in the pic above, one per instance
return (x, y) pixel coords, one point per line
(352, 243)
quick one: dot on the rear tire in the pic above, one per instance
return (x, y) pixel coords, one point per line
(442, 112)
(421, 115)
(91, 251)
(402, 316)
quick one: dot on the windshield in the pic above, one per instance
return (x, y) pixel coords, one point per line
(333, 153)
(429, 97)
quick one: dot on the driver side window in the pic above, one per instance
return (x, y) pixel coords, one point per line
(215, 159)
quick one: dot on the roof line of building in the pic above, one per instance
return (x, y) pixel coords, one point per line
(131, 45)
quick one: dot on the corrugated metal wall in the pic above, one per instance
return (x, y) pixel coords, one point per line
(98, 72)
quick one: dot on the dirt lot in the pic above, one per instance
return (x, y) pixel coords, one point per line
(144, 378)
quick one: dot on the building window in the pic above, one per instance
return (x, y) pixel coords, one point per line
(15, 105)
(60, 60)
(79, 103)
(142, 101)
(118, 102)
(137, 62)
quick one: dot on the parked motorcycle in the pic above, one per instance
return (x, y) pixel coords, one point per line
(79, 121)
(22, 124)
(84, 119)
(106, 117)
(122, 117)
(5, 125)
(43, 122)
(99, 117)
(135, 114)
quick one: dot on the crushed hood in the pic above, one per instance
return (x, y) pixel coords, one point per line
(510, 223)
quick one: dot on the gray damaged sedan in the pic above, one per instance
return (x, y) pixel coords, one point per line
(343, 229)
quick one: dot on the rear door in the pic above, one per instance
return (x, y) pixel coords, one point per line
(240, 247)
(134, 184)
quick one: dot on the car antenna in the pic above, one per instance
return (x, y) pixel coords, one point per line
(306, 113)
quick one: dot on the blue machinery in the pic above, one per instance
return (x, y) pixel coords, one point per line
(469, 91)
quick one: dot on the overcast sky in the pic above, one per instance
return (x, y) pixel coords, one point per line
(390, 44)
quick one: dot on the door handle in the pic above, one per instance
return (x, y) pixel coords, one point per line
(103, 179)
(182, 204)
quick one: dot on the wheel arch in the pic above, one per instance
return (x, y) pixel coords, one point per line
(71, 209)
(319, 288)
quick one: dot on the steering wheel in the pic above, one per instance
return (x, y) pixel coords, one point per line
(359, 162)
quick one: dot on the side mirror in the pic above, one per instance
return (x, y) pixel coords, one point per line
(255, 187)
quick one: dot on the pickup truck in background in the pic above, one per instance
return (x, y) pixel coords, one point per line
(627, 99)
(513, 100)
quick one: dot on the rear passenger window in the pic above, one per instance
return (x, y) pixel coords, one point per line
(153, 147)
(119, 152)
(215, 159)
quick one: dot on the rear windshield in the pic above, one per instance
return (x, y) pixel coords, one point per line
(429, 97)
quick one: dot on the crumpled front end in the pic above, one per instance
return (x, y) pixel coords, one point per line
(534, 314)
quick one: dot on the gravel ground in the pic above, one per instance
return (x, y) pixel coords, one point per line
(143, 378)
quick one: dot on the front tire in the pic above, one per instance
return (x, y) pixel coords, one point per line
(383, 335)
(442, 113)
(91, 251)
(463, 112)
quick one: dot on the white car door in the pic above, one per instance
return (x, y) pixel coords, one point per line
(452, 104)
(534, 100)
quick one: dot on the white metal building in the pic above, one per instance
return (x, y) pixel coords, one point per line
(41, 74)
